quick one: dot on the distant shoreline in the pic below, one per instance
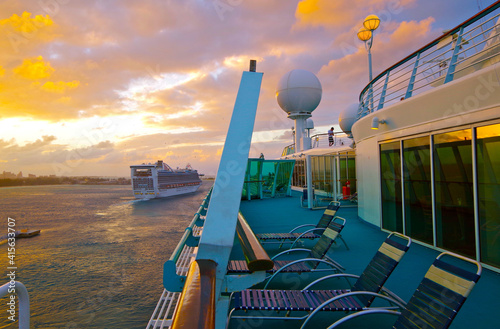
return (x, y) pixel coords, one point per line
(6, 182)
(40, 181)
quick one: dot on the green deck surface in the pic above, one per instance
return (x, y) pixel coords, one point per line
(282, 214)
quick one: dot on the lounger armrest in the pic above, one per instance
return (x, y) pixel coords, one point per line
(362, 313)
(326, 277)
(392, 295)
(349, 294)
(289, 251)
(302, 261)
(301, 226)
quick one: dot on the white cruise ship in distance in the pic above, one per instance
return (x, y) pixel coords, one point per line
(159, 180)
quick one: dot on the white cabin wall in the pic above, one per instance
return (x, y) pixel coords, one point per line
(367, 172)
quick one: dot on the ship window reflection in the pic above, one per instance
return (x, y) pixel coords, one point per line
(417, 189)
(454, 192)
(390, 170)
(488, 179)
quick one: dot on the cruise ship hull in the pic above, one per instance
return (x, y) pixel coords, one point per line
(158, 180)
(145, 194)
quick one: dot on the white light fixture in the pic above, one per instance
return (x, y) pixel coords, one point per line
(376, 122)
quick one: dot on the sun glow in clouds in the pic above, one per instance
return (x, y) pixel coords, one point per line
(141, 90)
(157, 82)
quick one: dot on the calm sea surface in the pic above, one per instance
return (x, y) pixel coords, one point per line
(98, 261)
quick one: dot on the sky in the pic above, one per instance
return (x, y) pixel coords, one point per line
(90, 87)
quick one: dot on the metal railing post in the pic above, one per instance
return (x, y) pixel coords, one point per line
(454, 57)
(24, 302)
(382, 95)
(409, 91)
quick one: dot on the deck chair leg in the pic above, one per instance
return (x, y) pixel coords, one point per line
(345, 243)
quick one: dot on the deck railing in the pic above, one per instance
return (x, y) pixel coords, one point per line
(469, 47)
(319, 141)
(24, 302)
(176, 269)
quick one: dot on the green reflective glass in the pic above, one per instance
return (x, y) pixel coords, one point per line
(343, 170)
(299, 173)
(267, 178)
(351, 174)
(390, 175)
(417, 189)
(488, 179)
(454, 192)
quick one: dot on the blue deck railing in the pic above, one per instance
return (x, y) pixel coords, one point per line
(469, 47)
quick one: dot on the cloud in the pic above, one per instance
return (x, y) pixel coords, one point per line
(34, 69)
(25, 23)
(24, 32)
(60, 86)
(335, 14)
(166, 73)
(45, 156)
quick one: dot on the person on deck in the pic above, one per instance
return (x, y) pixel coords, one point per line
(330, 136)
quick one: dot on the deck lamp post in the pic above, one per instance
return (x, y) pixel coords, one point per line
(365, 34)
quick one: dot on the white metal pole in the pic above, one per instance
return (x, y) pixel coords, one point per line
(24, 302)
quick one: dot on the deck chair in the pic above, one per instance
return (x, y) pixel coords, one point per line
(304, 199)
(438, 298)
(370, 282)
(317, 256)
(314, 233)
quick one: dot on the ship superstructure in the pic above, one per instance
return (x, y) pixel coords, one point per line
(422, 164)
(159, 180)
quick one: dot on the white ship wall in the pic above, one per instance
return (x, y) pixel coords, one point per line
(472, 99)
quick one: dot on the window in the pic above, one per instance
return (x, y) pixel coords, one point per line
(454, 194)
(488, 180)
(390, 171)
(417, 189)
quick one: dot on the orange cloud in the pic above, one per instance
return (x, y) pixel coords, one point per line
(34, 69)
(327, 13)
(60, 86)
(2, 71)
(25, 23)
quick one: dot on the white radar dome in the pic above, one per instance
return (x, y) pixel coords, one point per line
(309, 124)
(347, 118)
(298, 91)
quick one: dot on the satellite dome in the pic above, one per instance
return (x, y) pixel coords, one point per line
(347, 118)
(309, 124)
(298, 92)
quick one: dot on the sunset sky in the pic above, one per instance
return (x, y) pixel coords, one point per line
(92, 87)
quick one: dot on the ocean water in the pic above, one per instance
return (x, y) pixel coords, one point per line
(98, 261)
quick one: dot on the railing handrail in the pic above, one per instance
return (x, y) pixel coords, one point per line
(178, 249)
(24, 301)
(465, 24)
(196, 305)
(443, 66)
(255, 255)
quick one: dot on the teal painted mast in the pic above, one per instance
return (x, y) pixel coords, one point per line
(220, 224)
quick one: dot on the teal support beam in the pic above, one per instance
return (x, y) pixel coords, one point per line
(220, 223)
(310, 186)
(409, 91)
(276, 173)
(454, 57)
(289, 189)
(384, 90)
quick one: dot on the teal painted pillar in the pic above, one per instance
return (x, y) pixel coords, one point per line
(310, 187)
(220, 225)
